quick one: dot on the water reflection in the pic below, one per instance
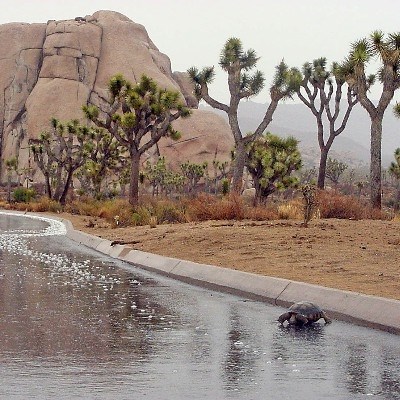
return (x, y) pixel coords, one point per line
(309, 333)
(76, 324)
(390, 376)
(356, 368)
(240, 359)
(366, 369)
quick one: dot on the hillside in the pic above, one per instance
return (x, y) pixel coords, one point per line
(352, 146)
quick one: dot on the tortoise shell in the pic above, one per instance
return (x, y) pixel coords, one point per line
(310, 310)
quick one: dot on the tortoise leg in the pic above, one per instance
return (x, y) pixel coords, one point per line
(284, 317)
(301, 319)
(326, 318)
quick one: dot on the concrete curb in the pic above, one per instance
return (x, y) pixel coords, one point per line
(369, 311)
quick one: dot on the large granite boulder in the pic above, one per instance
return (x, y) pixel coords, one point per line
(52, 69)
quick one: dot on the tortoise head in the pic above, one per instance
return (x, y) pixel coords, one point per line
(293, 319)
(284, 317)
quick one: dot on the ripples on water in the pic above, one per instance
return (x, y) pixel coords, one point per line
(75, 324)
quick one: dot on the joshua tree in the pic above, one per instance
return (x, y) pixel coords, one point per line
(11, 165)
(193, 173)
(105, 157)
(162, 179)
(59, 153)
(270, 161)
(335, 169)
(138, 116)
(321, 91)
(394, 170)
(237, 63)
(309, 193)
(354, 68)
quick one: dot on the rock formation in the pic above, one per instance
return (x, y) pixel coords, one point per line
(52, 69)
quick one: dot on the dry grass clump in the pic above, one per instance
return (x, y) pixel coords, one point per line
(83, 206)
(170, 212)
(396, 217)
(153, 221)
(291, 210)
(41, 204)
(44, 204)
(117, 212)
(6, 206)
(207, 207)
(262, 213)
(162, 211)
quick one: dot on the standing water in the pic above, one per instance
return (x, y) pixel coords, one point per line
(76, 324)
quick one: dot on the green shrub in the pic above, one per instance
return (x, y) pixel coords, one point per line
(23, 195)
(137, 219)
(170, 213)
(225, 186)
(142, 215)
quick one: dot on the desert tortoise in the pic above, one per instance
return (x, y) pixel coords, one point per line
(303, 313)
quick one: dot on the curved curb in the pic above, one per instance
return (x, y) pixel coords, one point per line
(369, 311)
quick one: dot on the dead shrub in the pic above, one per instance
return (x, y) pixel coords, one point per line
(334, 205)
(262, 213)
(206, 207)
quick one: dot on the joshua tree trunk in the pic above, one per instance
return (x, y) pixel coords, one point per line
(321, 91)
(262, 194)
(257, 194)
(322, 168)
(240, 162)
(325, 149)
(376, 162)
(63, 197)
(8, 188)
(48, 185)
(134, 180)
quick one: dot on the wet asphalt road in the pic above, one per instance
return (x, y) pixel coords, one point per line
(76, 324)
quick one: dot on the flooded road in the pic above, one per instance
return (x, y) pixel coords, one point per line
(75, 324)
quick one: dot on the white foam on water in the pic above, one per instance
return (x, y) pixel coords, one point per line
(54, 228)
(81, 273)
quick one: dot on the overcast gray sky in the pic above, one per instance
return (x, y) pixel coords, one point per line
(194, 32)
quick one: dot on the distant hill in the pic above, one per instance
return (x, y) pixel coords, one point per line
(352, 146)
